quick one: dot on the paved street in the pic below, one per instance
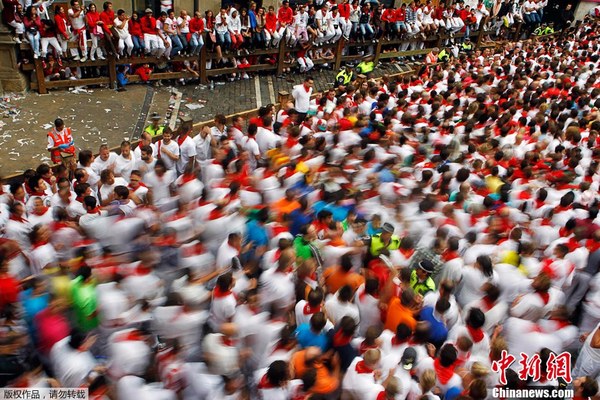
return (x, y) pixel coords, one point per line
(99, 116)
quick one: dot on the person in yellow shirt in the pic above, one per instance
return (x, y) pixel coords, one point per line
(493, 182)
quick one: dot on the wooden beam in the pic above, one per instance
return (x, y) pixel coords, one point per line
(281, 56)
(202, 66)
(79, 82)
(39, 75)
(112, 71)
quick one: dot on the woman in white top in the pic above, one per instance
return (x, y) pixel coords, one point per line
(235, 31)
(473, 278)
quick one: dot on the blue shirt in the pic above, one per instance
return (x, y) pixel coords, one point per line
(340, 213)
(252, 18)
(32, 305)
(256, 233)
(438, 333)
(307, 338)
(299, 219)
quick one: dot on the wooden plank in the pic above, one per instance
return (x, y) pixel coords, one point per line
(39, 74)
(162, 75)
(78, 82)
(203, 60)
(338, 58)
(281, 57)
(112, 70)
(253, 68)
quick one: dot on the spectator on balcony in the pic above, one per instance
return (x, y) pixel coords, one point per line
(62, 28)
(272, 35)
(153, 43)
(285, 17)
(251, 40)
(163, 32)
(300, 25)
(125, 42)
(345, 24)
(172, 28)
(107, 16)
(137, 36)
(235, 31)
(366, 30)
(12, 15)
(260, 32)
(48, 37)
(96, 32)
(183, 24)
(222, 29)
(78, 30)
(196, 26)
(33, 26)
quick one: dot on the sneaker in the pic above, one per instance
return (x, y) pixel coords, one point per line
(83, 59)
(76, 58)
(245, 76)
(35, 56)
(92, 58)
(101, 57)
(16, 39)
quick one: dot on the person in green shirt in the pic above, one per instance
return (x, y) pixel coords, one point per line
(420, 278)
(84, 300)
(154, 129)
(303, 242)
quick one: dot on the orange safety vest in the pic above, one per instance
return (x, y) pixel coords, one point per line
(59, 138)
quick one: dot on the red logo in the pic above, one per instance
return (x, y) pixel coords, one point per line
(557, 366)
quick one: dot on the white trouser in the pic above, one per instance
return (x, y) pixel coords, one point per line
(275, 36)
(336, 33)
(52, 41)
(154, 45)
(81, 42)
(95, 51)
(287, 33)
(306, 64)
(346, 27)
(440, 23)
(125, 42)
(19, 27)
(168, 48)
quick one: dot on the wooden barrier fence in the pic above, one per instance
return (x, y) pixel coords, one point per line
(109, 77)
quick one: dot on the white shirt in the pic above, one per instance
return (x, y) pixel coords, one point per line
(222, 310)
(337, 310)
(76, 22)
(124, 166)
(221, 23)
(187, 150)
(202, 146)
(266, 140)
(173, 147)
(225, 254)
(277, 287)
(133, 387)
(301, 98)
(127, 356)
(160, 185)
(42, 256)
(145, 167)
(184, 24)
(71, 366)
(99, 165)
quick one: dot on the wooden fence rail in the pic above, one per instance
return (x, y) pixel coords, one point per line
(39, 83)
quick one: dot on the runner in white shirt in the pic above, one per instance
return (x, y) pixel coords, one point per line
(187, 151)
(125, 162)
(168, 150)
(78, 30)
(161, 182)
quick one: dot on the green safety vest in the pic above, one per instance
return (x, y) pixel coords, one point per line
(377, 244)
(154, 132)
(466, 46)
(343, 77)
(443, 56)
(421, 287)
(365, 67)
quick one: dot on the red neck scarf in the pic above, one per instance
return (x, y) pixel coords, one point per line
(362, 349)
(265, 384)
(39, 214)
(308, 310)
(449, 255)
(181, 139)
(363, 368)
(444, 374)
(339, 339)
(476, 334)
(545, 296)
(488, 303)
(218, 293)
(14, 217)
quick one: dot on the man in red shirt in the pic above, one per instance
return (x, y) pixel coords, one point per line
(345, 24)
(271, 28)
(153, 44)
(285, 15)
(108, 20)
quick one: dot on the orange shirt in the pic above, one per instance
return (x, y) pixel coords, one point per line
(284, 206)
(397, 314)
(335, 278)
(325, 382)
